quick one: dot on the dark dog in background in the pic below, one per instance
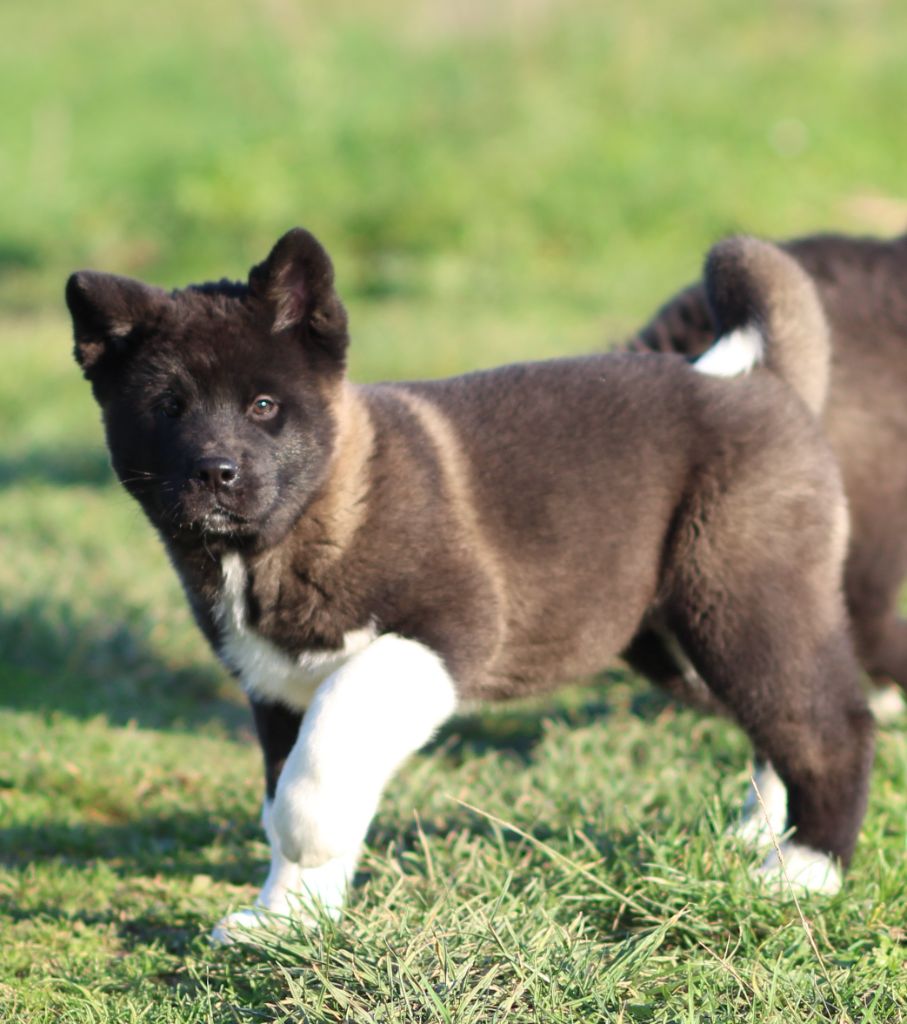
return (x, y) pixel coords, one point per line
(862, 285)
(365, 558)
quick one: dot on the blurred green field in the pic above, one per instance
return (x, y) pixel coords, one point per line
(495, 182)
(469, 154)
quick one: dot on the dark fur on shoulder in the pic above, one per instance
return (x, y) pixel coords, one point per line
(862, 286)
(524, 524)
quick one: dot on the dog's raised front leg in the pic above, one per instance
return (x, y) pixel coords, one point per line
(364, 721)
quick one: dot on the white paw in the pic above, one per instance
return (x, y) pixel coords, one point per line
(887, 703)
(762, 822)
(241, 925)
(292, 897)
(802, 869)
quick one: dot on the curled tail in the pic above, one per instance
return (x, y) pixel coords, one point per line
(767, 312)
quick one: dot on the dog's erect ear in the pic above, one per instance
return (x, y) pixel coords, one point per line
(105, 311)
(297, 278)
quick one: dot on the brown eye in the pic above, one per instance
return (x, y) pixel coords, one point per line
(170, 406)
(263, 408)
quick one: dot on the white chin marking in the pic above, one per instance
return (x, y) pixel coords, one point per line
(732, 354)
(763, 822)
(800, 869)
(887, 703)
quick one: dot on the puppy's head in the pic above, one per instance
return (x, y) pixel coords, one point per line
(217, 399)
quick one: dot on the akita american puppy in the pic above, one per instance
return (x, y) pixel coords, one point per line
(366, 558)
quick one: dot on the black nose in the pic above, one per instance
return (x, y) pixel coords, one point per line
(216, 472)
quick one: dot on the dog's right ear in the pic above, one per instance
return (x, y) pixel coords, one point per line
(106, 311)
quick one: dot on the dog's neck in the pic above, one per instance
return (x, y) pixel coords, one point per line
(315, 543)
(332, 519)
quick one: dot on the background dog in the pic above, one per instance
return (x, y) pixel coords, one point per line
(862, 285)
(369, 557)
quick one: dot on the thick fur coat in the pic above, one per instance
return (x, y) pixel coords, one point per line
(367, 558)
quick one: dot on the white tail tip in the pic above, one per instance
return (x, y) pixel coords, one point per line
(733, 354)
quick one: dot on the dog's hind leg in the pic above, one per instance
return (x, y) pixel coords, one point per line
(790, 679)
(656, 653)
(872, 585)
(364, 721)
(874, 574)
(883, 643)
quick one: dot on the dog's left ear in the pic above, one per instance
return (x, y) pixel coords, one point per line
(297, 278)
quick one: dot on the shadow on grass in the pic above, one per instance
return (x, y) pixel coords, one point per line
(63, 467)
(169, 924)
(167, 856)
(517, 730)
(176, 845)
(53, 660)
(173, 929)
(407, 836)
(179, 845)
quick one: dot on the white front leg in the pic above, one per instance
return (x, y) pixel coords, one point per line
(364, 721)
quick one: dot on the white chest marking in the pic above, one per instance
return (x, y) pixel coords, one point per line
(264, 670)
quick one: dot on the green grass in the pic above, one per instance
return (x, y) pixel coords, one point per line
(496, 182)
